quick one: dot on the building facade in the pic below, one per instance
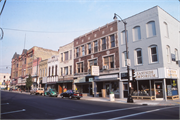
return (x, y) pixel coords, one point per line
(97, 48)
(22, 65)
(4, 77)
(153, 45)
(43, 72)
(66, 67)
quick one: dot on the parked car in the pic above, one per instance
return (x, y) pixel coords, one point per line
(71, 94)
(37, 91)
(51, 93)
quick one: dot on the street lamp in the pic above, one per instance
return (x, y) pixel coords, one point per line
(129, 99)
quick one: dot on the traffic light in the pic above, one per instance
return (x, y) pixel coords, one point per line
(133, 75)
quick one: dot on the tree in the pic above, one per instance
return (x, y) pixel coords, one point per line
(29, 82)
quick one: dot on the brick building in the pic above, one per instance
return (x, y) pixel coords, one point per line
(100, 48)
(22, 65)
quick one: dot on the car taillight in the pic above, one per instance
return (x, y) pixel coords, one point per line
(80, 94)
(75, 94)
(36, 90)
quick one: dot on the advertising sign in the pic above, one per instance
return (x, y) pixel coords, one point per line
(146, 74)
(169, 91)
(95, 70)
(172, 73)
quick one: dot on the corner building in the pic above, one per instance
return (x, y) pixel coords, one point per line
(97, 48)
(153, 45)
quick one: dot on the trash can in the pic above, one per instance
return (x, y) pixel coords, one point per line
(111, 96)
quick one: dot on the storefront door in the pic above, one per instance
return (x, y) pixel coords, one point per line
(159, 90)
(107, 89)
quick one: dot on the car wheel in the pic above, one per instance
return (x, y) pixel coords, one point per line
(78, 98)
(49, 95)
(70, 97)
(30, 94)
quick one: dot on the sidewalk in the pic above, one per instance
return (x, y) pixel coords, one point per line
(124, 100)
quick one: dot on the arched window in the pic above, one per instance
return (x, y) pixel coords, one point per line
(136, 33)
(52, 70)
(166, 30)
(168, 54)
(154, 54)
(56, 70)
(123, 40)
(49, 71)
(138, 56)
(151, 29)
(176, 55)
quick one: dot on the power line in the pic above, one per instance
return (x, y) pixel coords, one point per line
(41, 31)
(3, 7)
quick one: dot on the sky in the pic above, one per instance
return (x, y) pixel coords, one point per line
(54, 23)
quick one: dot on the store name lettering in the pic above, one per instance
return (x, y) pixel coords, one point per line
(146, 74)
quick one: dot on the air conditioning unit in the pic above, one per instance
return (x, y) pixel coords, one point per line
(105, 67)
(177, 62)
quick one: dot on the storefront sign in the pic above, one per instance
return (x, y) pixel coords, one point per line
(172, 73)
(107, 76)
(79, 80)
(169, 91)
(124, 75)
(95, 70)
(146, 74)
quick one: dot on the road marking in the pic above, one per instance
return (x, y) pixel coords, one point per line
(140, 113)
(13, 111)
(99, 113)
(5, 104)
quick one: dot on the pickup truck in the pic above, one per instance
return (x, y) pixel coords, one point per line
(37, 91)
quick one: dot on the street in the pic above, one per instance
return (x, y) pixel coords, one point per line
(25, 106)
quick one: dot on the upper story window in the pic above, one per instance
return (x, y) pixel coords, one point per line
(95, 46)
(112, 41)
(56, 70)
(77, 52)
(154, 54)
(125, 58)
(52, 70)
(70, 70)
(123, 38)
(17, 65)
(136, 33)
(61, 71)
(176, 55)
(61, 57)
(25, 61)
(49, 71)
(83, 51)
(45, 71)
(151, 29)
(168, 54)
(89, 48)
(166, 29)
(109, 61)
(92, 62)
(40, 73)
(79, 67)
(138, 56)
(66, 70)
(103, 43)
(70, 54)
(66, 55)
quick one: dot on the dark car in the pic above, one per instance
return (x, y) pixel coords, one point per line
(51, 92)
(71, 94)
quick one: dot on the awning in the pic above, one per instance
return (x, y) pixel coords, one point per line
(65, 81)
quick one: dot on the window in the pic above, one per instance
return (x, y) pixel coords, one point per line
(66, 70)
(154, 57)
(61, 57)
(66, 55)
(151, 29)
(25, 61)
(166, 29)
(80, 67)
(136, 33)
(45, 71)
(168, 54)
(61, 71)
(83, 52)
(56, 70)
(92, 62)
(95, 46)
(4, 76)
(123, 39)
(125, 58)
(138, 56)
(40, 73)
(17, 65)
(70, 70)
(49, 71)
(103, 43)
(176, 55)
(109, 61)
(89, 48)
(52, 70)
(77, 52)
(112, 41)
(70, 54)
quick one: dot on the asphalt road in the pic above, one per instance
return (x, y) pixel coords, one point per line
(25, 106)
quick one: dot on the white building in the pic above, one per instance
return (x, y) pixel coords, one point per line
(53, 71)
(154, 51)
(4, 77)
(66, 67)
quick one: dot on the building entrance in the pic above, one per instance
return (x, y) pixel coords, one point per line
(159, 90)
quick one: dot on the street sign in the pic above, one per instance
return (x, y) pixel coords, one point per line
(128, 62)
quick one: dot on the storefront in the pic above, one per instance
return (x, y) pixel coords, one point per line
(107, 84)
(64, 85)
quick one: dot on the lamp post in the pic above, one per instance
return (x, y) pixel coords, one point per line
(129, 99)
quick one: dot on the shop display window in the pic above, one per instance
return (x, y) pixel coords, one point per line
(115, 87)
(171, 87)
